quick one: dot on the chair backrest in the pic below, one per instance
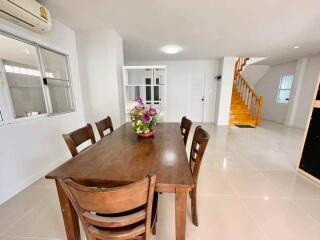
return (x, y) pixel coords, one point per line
(77, 137)
(113, 213)
(104, 125)
(198, 147)
(185, 127)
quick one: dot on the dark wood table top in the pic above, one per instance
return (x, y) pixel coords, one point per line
(121, 157)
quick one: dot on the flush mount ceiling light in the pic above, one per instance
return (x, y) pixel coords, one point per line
(171, 49)
(296, 47)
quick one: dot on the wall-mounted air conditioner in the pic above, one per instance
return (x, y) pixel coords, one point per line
(27, 13)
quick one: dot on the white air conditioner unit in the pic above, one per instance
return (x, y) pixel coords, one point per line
(27, 13)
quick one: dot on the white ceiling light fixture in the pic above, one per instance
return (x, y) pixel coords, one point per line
(171, 49)
(296, 47)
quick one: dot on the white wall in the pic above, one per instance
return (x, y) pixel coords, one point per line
(30, 149)
(100, 61)
(224, 94)
(307, 91)
(296, 112)
(296, 91)
(268, 86)
(179, 74)
(253, 73)
(218, 91)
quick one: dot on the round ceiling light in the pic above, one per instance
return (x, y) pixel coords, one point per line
(296, 47)
(171, 49)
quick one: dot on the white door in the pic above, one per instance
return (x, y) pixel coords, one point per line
(196, 98)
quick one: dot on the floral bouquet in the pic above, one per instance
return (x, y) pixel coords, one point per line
(143, 119)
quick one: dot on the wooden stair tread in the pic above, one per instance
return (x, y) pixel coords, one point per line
(239, 113)
(243, 94)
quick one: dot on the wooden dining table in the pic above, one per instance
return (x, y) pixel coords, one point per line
(122, 157)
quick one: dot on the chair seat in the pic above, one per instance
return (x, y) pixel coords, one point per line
(125, 218)
(114, 221)
(126, 233)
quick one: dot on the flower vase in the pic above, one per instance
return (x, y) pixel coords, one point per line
(146, 135)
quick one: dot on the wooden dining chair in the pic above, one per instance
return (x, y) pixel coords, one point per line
(103, 125)
(185, 127)
(198, 147)
(113, 213)
(77, 137)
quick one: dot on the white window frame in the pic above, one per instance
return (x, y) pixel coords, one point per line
(279, 89)
(6, 105)
(47, 94)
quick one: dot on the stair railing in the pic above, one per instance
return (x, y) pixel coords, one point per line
(252, 101)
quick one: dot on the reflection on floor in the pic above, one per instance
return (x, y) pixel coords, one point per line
(248, 190)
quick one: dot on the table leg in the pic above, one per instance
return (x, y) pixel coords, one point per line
(70, 217)
(181, 210)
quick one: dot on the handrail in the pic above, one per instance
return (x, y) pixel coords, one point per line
(252, 101)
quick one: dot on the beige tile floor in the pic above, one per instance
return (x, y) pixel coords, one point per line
(248, 190)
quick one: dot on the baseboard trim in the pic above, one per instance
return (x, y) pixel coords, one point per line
(307, 175)
(31, 180)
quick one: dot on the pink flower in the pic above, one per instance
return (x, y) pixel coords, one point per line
(146, 118)
(152, 112)
(133, 110)
(140, 101)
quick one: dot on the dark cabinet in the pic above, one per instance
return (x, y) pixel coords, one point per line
(318, 94)
(310, 159)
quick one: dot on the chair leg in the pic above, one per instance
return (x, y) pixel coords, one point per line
(154, 217)
(194, 207)
(154, 227)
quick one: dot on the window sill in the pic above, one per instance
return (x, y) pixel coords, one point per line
(57, 114)
(25, 119)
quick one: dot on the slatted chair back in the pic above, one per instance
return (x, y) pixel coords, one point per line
(185, 127)
(113, 213)
(198, 147)
(77, 137)
(103, 125)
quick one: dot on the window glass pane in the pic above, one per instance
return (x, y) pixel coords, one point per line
(60, 95)
(286, 82)
(284, 96)
(56, 72)
(139, 76)
(19, 62)
(136, 91)
(160, 76)
(55, 64)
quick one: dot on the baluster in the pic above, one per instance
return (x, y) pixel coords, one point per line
(248, 93)
(247, 97)
(259, 111)
(255, 108)
(237, 82)
(249, 103)
(241, 87)
(243, 92)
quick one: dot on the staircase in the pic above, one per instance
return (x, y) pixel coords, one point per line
(246, 105)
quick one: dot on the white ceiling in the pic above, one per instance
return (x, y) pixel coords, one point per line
(206, 29)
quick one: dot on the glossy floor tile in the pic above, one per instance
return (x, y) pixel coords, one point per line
(248, 189)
